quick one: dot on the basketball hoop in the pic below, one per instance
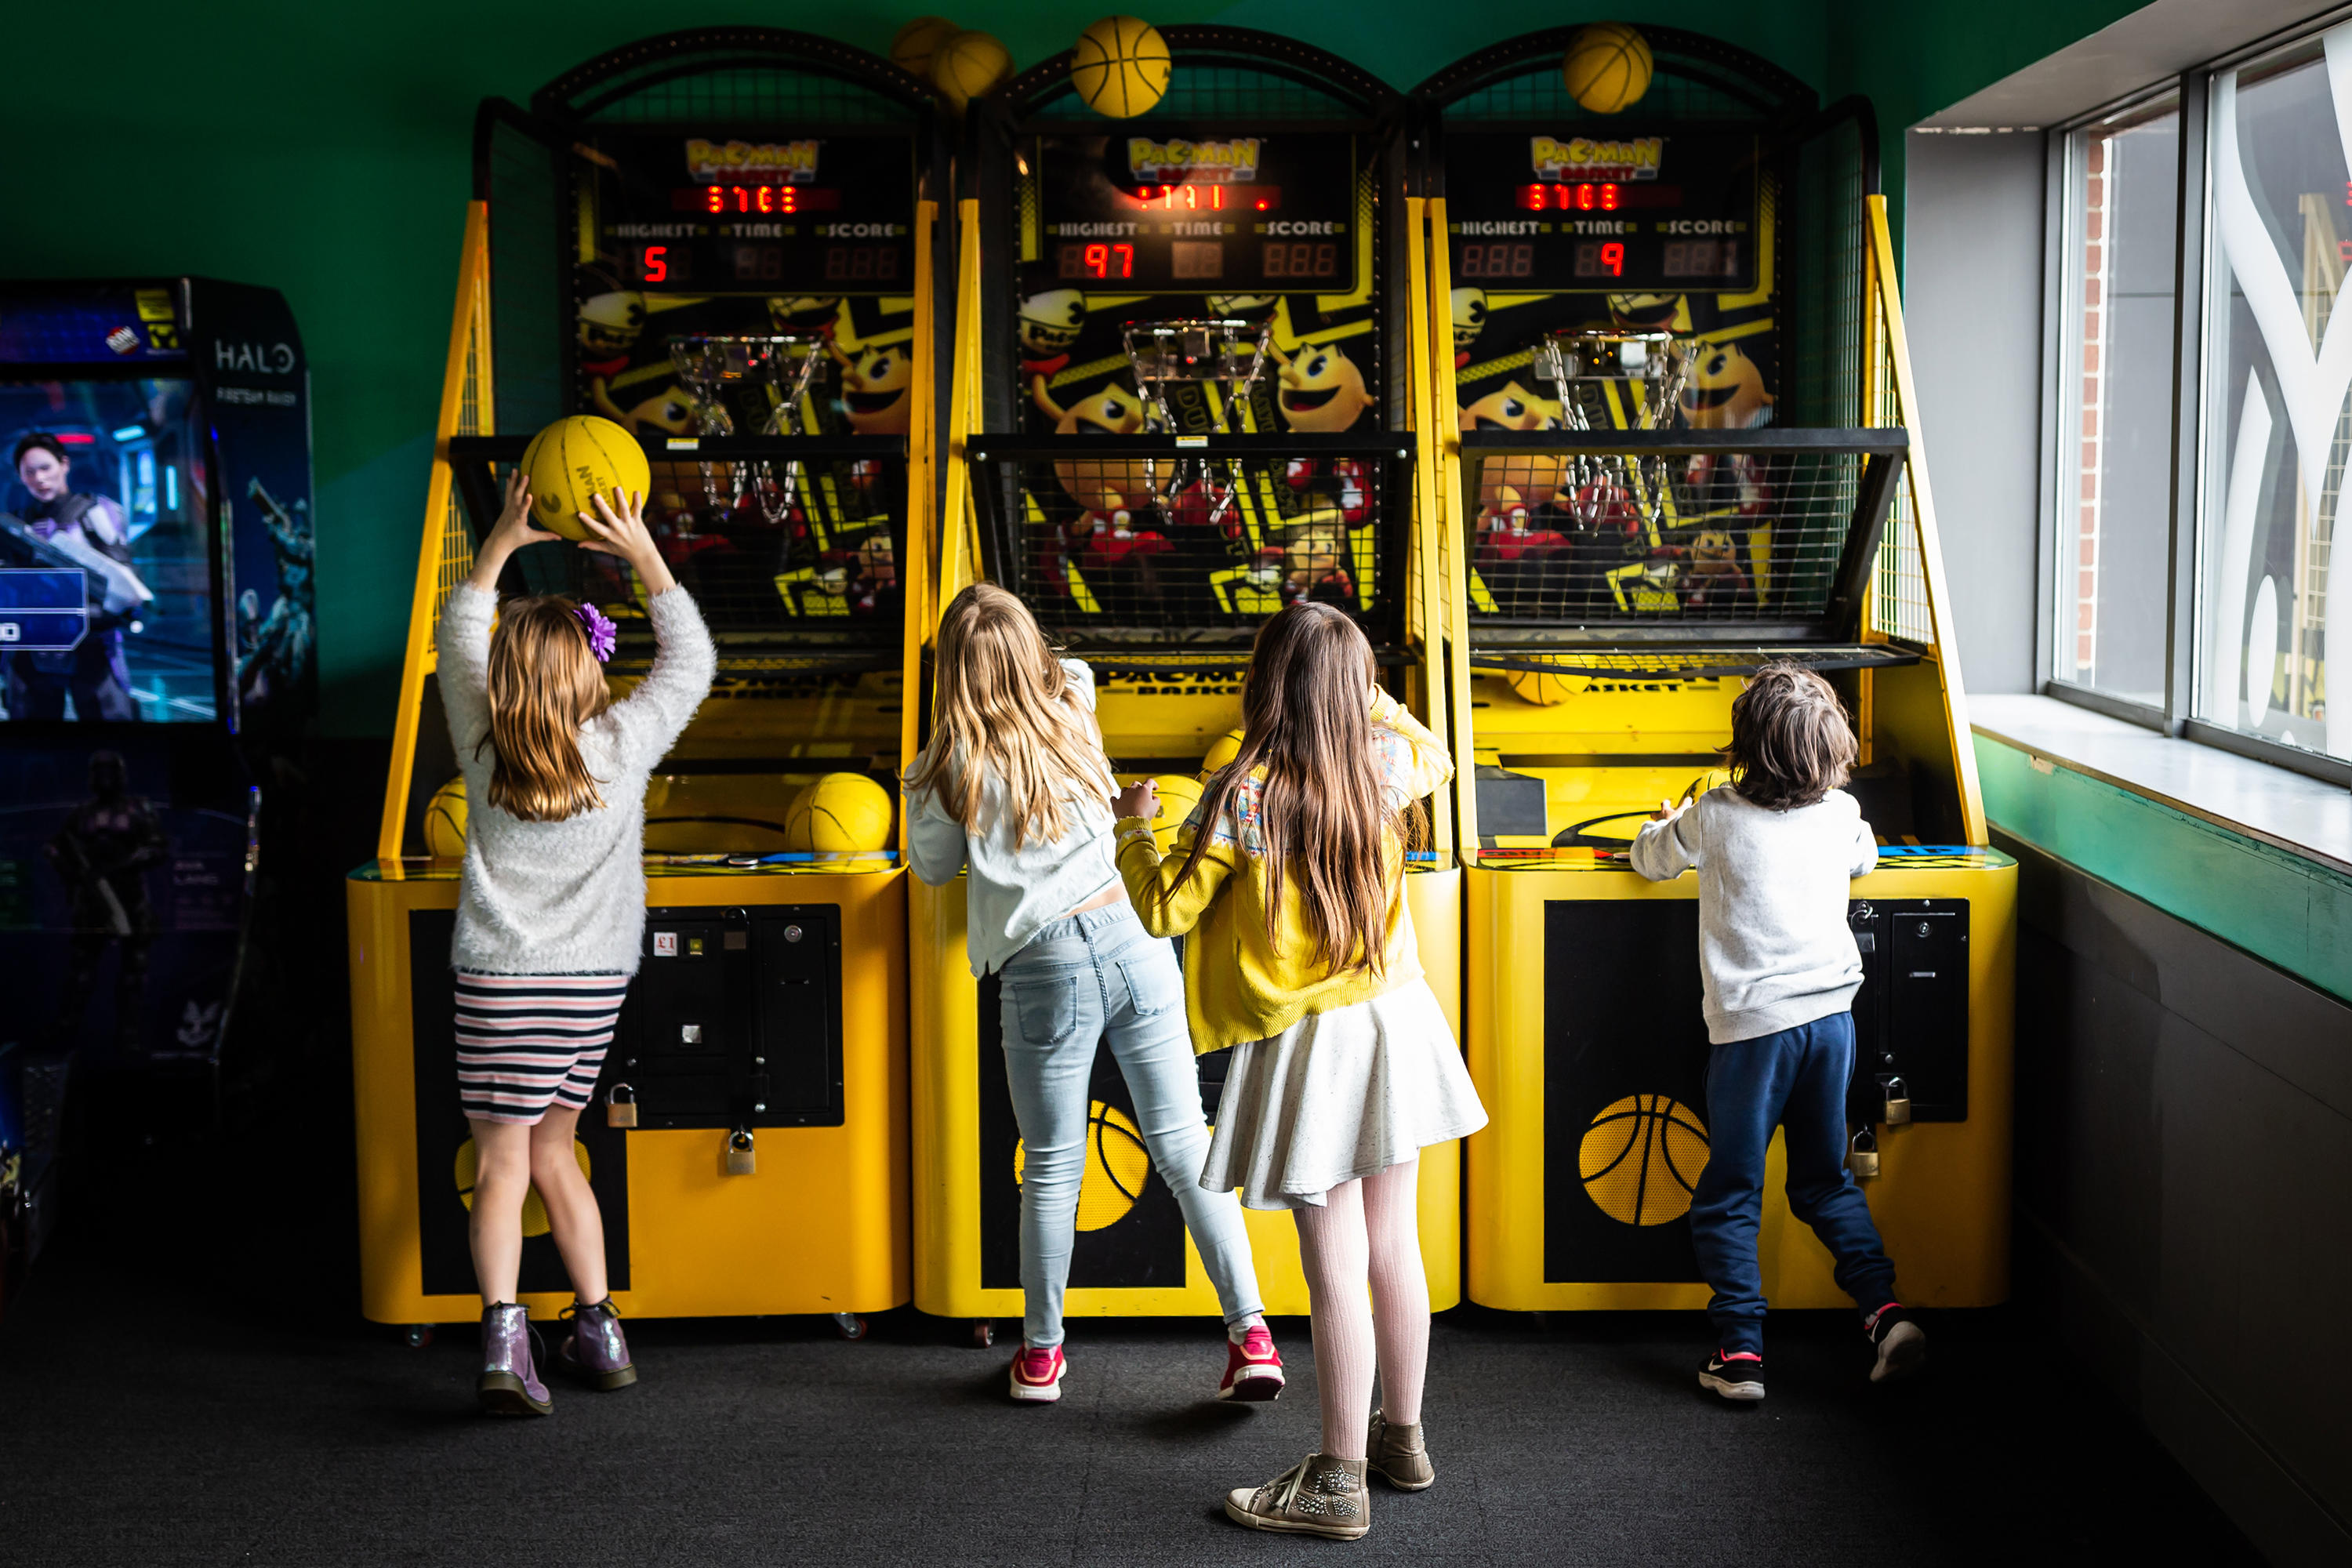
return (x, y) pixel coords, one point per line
(771, 374)
(1651, 367)
(1223, 358)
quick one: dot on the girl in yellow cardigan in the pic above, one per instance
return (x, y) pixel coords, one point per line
(1287, 882)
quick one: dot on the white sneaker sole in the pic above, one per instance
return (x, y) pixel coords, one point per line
(1034, 1394)
(1730, 1388)
(1240, 1514)
(1903, 1352)
(1255, 1387)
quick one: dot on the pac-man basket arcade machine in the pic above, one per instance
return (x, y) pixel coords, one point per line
(1684, 442)
(724, 240)
(1188, 392)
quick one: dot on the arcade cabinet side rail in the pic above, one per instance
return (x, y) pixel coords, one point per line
(445, 552)
(1425, 573)
(1895, 400)
(1452, 530)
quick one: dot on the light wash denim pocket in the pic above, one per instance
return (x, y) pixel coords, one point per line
(1047, 1009)
(1154, 981)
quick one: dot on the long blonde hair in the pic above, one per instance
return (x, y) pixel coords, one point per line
(1324, 814)
(1000, 708)
(544, 684)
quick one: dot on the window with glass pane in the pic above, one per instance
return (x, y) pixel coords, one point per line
(2279, 366)
(2115, 468)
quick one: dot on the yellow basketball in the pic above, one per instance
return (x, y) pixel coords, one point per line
(1119, 66)
(1178, 796)
(968, 65)
(1221, 750)
(839, 813)
(575, 459)
(1542, 690)
(445, 821)
(1117, 1164)
(1607, 67)
(1641, 1158)
(914, 45)
(534, 1211)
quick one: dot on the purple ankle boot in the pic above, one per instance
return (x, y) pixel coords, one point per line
(595, 1350)
(509, 1384)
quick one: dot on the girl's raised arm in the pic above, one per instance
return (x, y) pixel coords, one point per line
(651, 716)
(461, 639)
(1413, 761)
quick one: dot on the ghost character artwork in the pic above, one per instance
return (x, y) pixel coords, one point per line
(104, 852)
(61, 526)
(607, 327)
(1050, 322)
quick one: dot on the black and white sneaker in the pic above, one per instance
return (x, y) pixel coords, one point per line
(1902, 1344)
(1734, 1377)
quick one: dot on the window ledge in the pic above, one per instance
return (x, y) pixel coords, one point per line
(2289, 811)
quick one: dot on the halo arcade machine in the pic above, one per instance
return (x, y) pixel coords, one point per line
(1189, 390)
(723, 240)
(1685, 443)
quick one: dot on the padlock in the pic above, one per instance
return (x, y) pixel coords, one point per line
(740, 1160)
(619, 1113)
(1861, 1159)
(1898, 1100)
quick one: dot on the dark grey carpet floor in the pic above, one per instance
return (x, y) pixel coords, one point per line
(141, 1425)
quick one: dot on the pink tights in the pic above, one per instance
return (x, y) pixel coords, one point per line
(1367, 1234)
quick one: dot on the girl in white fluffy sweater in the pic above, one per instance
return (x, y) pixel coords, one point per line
(551, 911)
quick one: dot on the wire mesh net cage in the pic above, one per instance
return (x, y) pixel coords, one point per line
(1175, 545)
(1589, 536)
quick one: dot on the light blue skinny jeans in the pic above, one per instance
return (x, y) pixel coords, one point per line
(1081, 980)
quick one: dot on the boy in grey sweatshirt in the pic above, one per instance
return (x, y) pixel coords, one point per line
(1775, 850)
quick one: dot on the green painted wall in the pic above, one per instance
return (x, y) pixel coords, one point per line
(327, 152)
(2283, 909)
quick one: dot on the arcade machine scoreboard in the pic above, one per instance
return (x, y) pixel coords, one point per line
(724, 240)
(156, 647)
(1189, 391)
(1683, 442)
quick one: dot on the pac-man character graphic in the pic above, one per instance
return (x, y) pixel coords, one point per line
(1048, 326)
(804, 312)
(877, 389)
(1650, 313)
(1725, 390)
(1469, 321)
(1096, 485)
(607, 327)
(1532, 477)
(1250, 308)
(1322, 390)
(1714, 580)
(670, 410)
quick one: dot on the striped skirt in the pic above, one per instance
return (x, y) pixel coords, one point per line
(528, 1041)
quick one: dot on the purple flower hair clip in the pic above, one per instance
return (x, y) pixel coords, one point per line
(600, 631)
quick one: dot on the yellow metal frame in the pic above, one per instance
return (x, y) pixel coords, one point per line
(822, 1225)
(1943, 1194)
(943, 997)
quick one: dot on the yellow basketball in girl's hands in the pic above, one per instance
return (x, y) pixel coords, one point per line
(914, 45)
(575, 459)
(1607, 67)
(841, 813)
(1119, 66)
(968, 65)
(1178, 796)
(445, 821)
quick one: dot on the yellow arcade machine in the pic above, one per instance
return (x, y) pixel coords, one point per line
(725, 240)
(1683, 442)
(1188, 391)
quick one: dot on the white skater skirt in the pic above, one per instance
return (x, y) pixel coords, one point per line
(1338, 1096)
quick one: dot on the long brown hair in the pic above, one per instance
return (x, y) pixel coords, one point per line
(1791, 743)
(544, 684)
(1324, 819)
(1000, 708)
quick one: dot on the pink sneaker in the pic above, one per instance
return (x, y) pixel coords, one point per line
(1037, 1375)
(1252, 1368)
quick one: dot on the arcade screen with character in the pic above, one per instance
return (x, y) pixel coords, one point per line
(106, 570)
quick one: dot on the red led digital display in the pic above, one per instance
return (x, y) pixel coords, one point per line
(1596, 196)
(1212, 198)
(739, 200)
(1095, 261)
